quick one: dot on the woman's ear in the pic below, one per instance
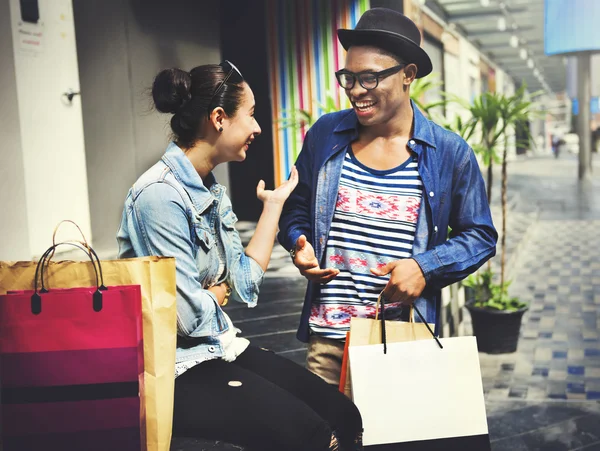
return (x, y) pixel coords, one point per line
(217, 117)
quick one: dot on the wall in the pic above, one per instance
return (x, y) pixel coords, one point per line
(573, 94)
(304, 53)
(397, 5)
(453, 76)
(470, 85)
(52, 145)
(122, 45)
(571, 67)
(14, 244)
(249, 25)
(435, 50)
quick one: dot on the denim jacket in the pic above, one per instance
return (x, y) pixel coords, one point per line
(170, 211)
(453, 192)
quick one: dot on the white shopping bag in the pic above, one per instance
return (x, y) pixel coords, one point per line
(419, 395)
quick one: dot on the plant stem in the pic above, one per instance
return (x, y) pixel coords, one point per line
(489, 144)
(490, 180)
(504, 202)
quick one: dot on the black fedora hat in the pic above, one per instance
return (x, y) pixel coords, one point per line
(390, 31)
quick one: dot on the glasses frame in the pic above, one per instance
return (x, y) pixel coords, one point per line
(231, 69)
(377, 75)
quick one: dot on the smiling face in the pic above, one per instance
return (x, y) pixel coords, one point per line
(379, 105)
(239, 130)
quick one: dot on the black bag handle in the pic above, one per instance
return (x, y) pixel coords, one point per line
(381, 303)
(36, 299)
(84, 246)
(83, 243)
(382, 318)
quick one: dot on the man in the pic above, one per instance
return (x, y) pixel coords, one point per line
(379, 187)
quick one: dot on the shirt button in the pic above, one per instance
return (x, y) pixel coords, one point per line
(412, 142)
(431, 194)
(321, 209)
(435, 229)
(211, 349)
(321, 240)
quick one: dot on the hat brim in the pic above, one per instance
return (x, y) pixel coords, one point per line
(404, 48)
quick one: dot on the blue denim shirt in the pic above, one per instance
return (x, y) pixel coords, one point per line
(170, 211)
(453, 192)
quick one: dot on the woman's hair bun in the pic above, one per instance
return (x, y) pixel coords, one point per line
(171, 90)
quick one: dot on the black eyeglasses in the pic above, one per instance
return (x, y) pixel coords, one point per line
(368, 80)
(232, 71)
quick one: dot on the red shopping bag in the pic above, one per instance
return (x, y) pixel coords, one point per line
(71, 361)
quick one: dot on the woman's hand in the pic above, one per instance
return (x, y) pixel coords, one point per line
(279, 195)
(261, 245)
(220, 291)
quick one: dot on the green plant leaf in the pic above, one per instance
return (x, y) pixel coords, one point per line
(489, 294)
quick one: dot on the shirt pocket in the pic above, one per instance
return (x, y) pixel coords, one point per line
(228, 220)
(204, 238)
(206, 258)
(232, 242)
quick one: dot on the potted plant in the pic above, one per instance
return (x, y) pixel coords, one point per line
(496, 316)
(515, 111)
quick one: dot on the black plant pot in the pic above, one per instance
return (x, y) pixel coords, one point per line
(497, 331)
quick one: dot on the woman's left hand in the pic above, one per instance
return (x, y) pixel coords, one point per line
(281, 193)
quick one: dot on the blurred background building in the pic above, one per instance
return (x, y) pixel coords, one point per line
(76, 118)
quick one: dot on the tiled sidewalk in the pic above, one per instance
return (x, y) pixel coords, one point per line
(545, 395)
(559, 351)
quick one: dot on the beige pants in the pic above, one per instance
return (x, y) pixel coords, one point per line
(324, 358)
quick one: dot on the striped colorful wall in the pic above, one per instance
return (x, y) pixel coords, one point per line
(304, 53)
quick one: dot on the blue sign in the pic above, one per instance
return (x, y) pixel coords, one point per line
(571, 26)
(594, 106)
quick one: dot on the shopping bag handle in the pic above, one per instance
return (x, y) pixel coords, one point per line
(381, 304)
(84, 242)
(381, 299)
(88, 250)
(36, 299)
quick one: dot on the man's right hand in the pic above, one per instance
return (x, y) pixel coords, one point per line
(306, 261)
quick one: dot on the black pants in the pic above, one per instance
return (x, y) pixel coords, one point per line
(278, 406)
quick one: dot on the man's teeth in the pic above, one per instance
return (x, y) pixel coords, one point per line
(363, 105)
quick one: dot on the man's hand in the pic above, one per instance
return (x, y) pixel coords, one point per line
(406, 283)
(306, 261)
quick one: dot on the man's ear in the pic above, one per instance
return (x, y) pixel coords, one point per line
(217, 117)
(410, 73)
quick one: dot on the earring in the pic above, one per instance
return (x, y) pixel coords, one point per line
(220, 129)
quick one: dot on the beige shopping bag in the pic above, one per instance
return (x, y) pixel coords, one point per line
(156, 276)
(365, 331)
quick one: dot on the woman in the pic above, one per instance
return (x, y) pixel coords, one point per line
(225, 388)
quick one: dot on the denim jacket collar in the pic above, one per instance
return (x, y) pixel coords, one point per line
(421, 126)
(186, 174)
